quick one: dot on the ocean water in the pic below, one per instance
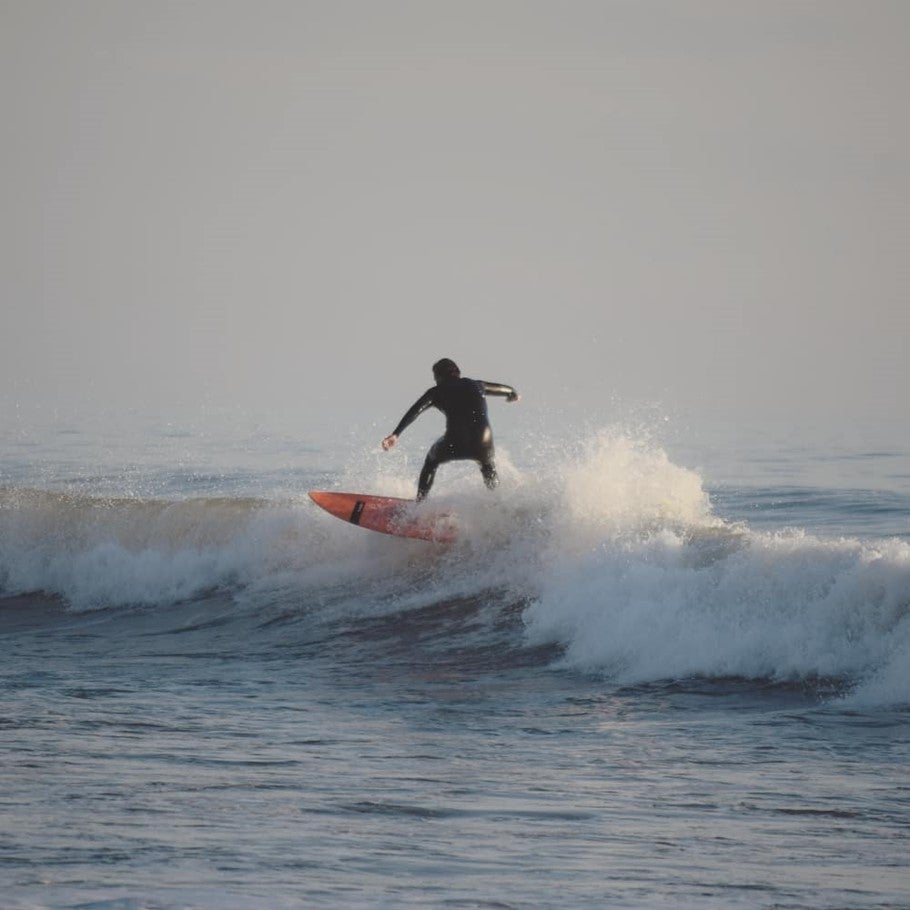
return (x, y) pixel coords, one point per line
(644, 676)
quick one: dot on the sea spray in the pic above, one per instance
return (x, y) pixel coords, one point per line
(650, 585)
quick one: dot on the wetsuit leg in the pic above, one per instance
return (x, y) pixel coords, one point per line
(427, 476)
(490, 477)
(484, 456)
(445, 449)
(435, 457)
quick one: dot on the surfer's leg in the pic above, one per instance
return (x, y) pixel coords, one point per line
(425, 481)
(487, 462)
(434, 458)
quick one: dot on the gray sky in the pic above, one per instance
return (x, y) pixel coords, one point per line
(286, 205)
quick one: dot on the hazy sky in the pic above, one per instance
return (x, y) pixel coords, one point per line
(286, 205)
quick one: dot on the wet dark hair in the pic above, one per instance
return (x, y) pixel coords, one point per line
(445, 369)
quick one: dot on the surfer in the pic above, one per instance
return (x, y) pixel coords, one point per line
(468, 433)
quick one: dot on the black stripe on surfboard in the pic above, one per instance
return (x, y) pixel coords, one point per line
(357, 512)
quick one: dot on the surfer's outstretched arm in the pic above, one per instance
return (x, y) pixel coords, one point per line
(413, 412)
(500, 388)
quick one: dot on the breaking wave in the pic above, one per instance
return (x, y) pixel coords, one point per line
(614, 554)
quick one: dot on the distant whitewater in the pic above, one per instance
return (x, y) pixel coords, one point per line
(615, 555)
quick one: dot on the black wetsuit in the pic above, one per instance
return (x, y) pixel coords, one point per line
(468, 434)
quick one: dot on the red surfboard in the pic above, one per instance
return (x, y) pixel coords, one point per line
(388, 515)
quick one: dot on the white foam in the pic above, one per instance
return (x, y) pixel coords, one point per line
(652, 586)
(98, 553)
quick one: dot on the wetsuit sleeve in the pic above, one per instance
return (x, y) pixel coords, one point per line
(497, 388)
(414, 411)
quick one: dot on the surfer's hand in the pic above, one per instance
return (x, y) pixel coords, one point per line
(513, 396)
(389, 441)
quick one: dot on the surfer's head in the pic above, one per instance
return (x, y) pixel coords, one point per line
(445, 369)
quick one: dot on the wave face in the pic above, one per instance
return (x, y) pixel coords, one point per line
(612, 556)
